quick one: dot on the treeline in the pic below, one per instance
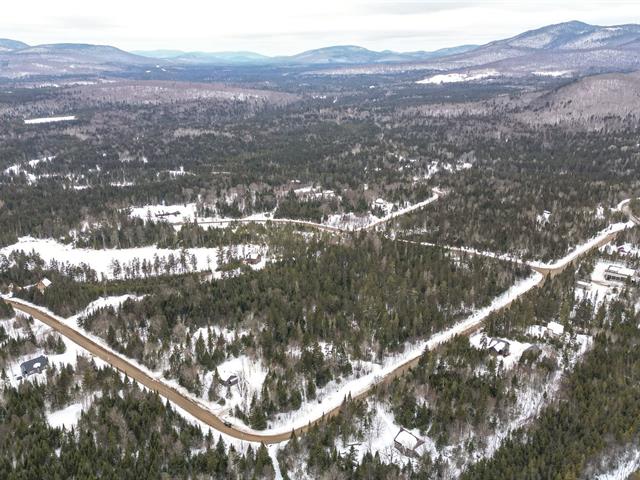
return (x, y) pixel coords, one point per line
(6, 310)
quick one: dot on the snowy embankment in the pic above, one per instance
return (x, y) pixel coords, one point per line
(585, 247)
(37, 121)
(104, 261)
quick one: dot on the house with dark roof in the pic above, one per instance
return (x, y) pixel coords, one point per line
(231, 381)
(35, 365)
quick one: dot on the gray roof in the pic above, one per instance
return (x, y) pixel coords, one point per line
(37, 362)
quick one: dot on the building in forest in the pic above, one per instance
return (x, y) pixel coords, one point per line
(35, 365)
(43, 284)
(407, 443)
(231, 381)
(619, 273)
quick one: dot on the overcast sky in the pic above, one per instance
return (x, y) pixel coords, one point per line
(289, 26)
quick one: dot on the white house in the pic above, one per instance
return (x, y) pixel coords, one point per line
(43, 284)
(619, 273)
(555, 329)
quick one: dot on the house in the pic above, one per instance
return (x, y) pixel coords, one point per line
(253, 259)
(499, 347)
(43, 284)
(618, 273)
(554, 329)
(164, 214)
(231, 381)
(35, 365)
(407, 443)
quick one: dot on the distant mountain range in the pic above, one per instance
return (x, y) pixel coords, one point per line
(573, 46)
(566, 47)
(344, 54)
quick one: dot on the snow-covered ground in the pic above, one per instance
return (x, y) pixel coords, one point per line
(37, 121)
(530, 399)
(597, 290)
(73, 351)
(170, 213)
(471, 251)
(350, 221)
(178, 214)
(552, 73)
(102, 261)
(188, 212)
(481, 341)
(22, 168)
(625, 250)
(458, 77)
(622, 468)
(68, 417)
(104, 302)
(251, 375)
(333, 395)
(403, 211)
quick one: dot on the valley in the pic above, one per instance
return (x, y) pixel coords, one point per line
(337, 264)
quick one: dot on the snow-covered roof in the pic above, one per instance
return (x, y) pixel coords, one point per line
(620, 270)
(555, 328)
(46, 282)
(407, 439)
(498, 345)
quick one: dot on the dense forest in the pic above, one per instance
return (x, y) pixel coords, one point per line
(352, 295)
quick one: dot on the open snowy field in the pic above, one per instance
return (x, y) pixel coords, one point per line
(38, 121)
(104, 261)
(458, 77)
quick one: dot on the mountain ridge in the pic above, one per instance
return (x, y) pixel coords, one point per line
(570, 45)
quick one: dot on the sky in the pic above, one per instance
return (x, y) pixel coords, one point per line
(283, 27)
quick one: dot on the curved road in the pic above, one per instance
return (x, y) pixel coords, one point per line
(198, 410)
(203, 414)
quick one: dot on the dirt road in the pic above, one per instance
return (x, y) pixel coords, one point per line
(202, 413)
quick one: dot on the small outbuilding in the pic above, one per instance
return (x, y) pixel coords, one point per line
(35, 365)
(253, 259)
(231, 381)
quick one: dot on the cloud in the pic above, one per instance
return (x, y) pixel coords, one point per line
(290, 26)
(411, 8)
